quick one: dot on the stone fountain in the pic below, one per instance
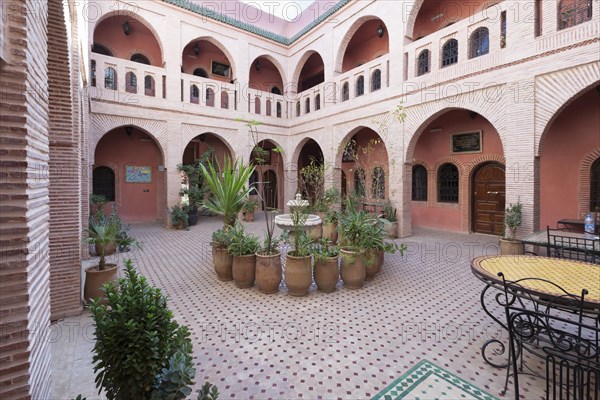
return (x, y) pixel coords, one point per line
(284, 221)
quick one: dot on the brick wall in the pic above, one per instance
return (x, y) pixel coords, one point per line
(24, 155)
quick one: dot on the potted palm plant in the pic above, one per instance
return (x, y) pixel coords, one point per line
(243, 248)
(103, 234)
(268, 259)
(298, 268)
(222, 260)
(326, 266)
(227, 188)
(512, 220)
(354, 225)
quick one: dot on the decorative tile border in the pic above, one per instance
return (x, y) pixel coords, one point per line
(423, 371)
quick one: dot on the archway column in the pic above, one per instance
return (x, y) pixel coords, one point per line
(172, 176)
(522, 167)
(290, 175)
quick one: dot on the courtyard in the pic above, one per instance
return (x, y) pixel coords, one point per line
(348, 344)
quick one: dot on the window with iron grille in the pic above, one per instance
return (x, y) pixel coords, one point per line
(595, 186)
(378, 183)
(298, 109)
(419, 183)
(317, 102)
(103, 182)
(210, 97)
(93, 72)
(257, 105)
(345, 91)
(224, 100)
(359, 182)
(503, 29)
(376, 80)
(360, 86)
(450, 53)
(307, 105)
(423, 63)
(278, 110)
(130, 82)
(574, 12)
(110, 78)
(194, 94)
(480, 42)
(448, 183)
(149, 85)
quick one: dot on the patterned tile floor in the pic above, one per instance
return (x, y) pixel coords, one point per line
(347, 344)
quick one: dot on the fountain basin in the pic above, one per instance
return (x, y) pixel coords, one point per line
(284, 221)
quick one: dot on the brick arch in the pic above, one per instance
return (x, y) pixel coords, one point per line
(484, 159)
(343, 141)
(221, 47)
(300, 65)
(103, 123)
(189, 133)
(556, 91)
(274, 142)
(339, 60)
(584, 179)
(409, 27)
(150, 25)
(420, 116)
(424, 163)
(298, 150)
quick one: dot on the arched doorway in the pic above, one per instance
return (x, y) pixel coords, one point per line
(270, 189)
(311, 171)
(488, 199)
(312, 72)
(136, 160)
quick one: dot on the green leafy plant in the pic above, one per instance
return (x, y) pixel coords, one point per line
(179, 217)
(323, 249)
(389, 212)
(103, 234)
(270, 244)
(354, 227)
(141, 352)
(512, 219)
(221, 238)
(208, 392)
(98, 201)
(228, 189)
(250, 205)
(312, 182)
(301, 238)
(332, 217)
(122, 230)
(196, 187)
(242, 243)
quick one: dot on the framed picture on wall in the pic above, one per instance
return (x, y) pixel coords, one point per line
(220, 69)
(138, 174)
(466, 142)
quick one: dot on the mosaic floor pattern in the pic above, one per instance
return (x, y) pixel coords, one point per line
(349, 344)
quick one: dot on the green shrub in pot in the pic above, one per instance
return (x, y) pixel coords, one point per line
(243, 248)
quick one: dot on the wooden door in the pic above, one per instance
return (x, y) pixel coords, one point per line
(270, 189)
(489, 198)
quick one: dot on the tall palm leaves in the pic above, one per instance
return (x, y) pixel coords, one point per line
(228, 189)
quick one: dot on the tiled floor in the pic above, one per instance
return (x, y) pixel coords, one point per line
(346, 344)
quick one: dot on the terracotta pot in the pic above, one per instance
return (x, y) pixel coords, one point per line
(298, 275)
(511, 247)
(353, 270)
(108, 249)
(316, 232)
(268, 273)
(95, 279)
(391, 228)
(243, 271)
(371, 261)
(327, 274)
(330, 232)
(222, 262)
(249, 216)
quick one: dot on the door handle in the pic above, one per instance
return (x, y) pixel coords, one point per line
(493, 192)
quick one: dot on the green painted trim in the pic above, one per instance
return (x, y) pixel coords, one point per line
(195, 8)
(428, 369)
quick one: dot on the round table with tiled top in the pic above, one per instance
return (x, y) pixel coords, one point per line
(573, 276)
(570, 275)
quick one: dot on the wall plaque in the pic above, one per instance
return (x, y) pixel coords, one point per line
(220, 69)
(466, 142)
(137, 174)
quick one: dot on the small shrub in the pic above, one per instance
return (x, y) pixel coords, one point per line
(179, 218)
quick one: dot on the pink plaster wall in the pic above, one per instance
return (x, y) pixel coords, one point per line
(371, 153)
(431, 147)
(267, 77)
(450, 11)
(117, 150)
(365, 45)
(109, 33)
(574, 134)
(208, 53)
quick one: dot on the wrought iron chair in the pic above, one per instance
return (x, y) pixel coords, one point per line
(562, 330)
(572, 247)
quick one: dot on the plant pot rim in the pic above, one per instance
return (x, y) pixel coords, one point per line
(278, 254)
(246, 255)
(325, 259)
(297, 257)
(351, 249)
(94, 269)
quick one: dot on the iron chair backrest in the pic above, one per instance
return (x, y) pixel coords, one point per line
(573, 247)
(562, 329)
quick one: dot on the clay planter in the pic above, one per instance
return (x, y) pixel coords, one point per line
(243, 271)
(95, 279)
(330, 232)
(371, 261)
(316, 232)
(268, 273)
(108, 249)
(327, 274)
(222, 262)
(353, 270)
(511, 247)
(391, 228)
(249, 216)
(298, 275)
